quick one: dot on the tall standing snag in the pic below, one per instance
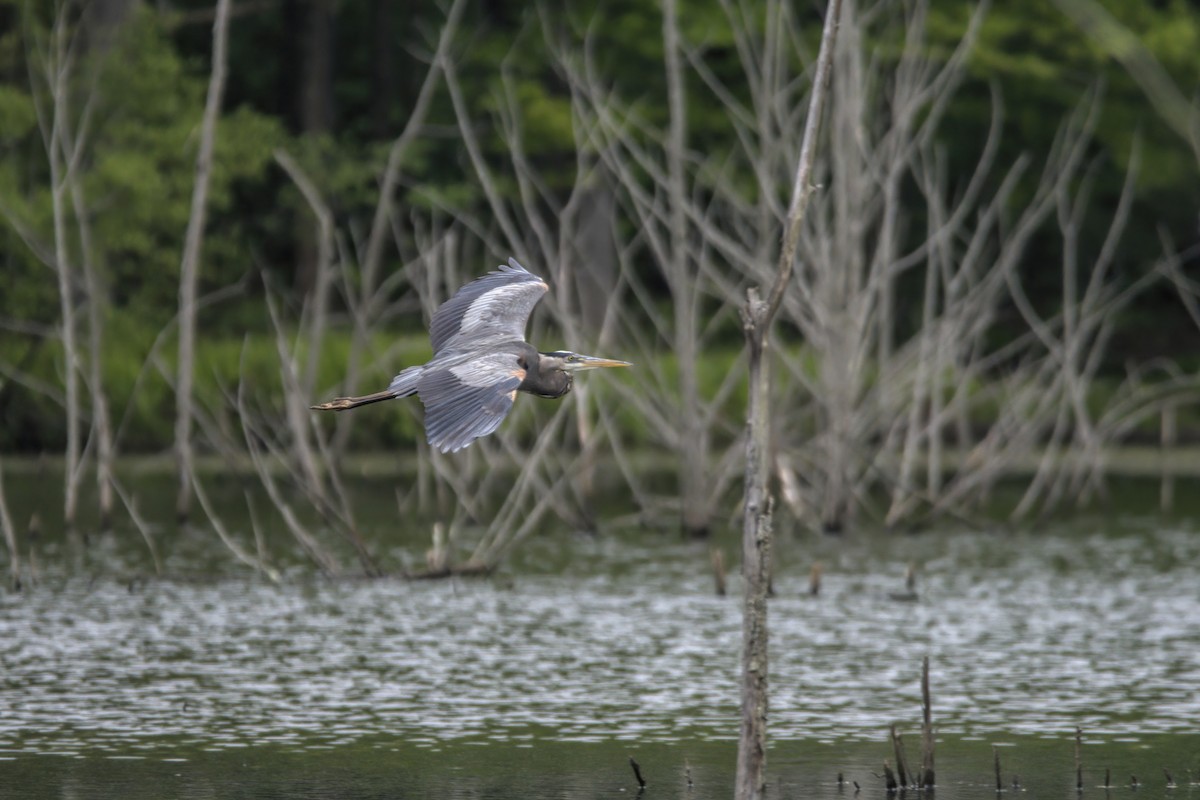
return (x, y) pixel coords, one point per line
(756, 525)
(190, 265)
(57, 67)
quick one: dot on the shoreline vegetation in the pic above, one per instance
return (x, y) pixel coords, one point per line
(1127, 461)
(994, 277)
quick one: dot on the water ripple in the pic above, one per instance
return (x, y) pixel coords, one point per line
(1026, 634)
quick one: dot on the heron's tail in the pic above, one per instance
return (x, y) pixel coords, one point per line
(402, 385)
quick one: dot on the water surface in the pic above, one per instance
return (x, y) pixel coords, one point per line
(542, 680)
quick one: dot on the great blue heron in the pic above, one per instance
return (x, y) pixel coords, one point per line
(481, 360)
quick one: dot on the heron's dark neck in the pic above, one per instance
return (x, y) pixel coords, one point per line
(549, 383)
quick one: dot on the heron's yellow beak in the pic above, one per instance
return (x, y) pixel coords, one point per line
(592, 362)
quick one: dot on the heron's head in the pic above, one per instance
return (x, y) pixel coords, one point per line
(567, 361)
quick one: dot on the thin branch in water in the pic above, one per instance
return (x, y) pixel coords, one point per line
(142, 526)
(10, 537)
(239, 553)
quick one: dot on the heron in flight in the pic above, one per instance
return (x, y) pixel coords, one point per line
(481, 360)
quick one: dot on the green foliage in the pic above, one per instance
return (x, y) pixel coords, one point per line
(17, 116)
(147, 95)
(137, 175)
(143, 403)
(144, 170)
(1043, 64)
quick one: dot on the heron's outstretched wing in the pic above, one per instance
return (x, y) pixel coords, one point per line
(469, 397)
(494, 307)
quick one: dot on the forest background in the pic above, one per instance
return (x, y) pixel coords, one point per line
(1004, 272)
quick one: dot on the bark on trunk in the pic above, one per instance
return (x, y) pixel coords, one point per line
(756, 564)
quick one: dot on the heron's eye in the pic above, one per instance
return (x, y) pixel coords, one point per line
(572, 358)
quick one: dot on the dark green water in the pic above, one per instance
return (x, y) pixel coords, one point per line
(545, 768)
(542, 681)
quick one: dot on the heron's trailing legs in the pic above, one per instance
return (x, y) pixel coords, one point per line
(343, 403)
(402, 385)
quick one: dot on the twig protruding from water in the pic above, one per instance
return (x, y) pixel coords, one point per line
(1078, 759)
(927, 774)
(996, 762)
(637, 773)
(909, 594)
(902, 772)
(889, 777)
(717, 557)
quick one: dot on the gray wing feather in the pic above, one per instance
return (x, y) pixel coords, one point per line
(496, 306)
(405, 383)
(469, 399)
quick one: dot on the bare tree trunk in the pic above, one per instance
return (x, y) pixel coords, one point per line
(58, 69)
(190, 266)
(838, 287)
(756, 563)
(757, 316)
(101, 419)
(101, 432)
(66, 139)
(694, 488)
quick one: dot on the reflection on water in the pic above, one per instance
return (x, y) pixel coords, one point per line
(1026, 634)
(546, 769)
(615, 641)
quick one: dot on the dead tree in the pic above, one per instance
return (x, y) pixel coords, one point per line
(65, 97)
(52, 71)
(101, 432)
(757, 316)
(189, 267)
